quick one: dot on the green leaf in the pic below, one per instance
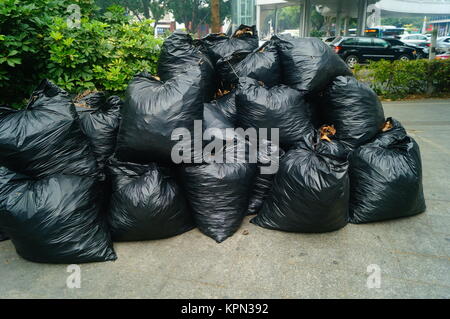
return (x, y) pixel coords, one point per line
(56, 35)
(68, 42)
(13, 52)
(12, 62)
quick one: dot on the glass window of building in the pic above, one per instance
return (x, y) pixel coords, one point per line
(243, 12)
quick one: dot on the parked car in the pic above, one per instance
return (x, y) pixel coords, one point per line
(442, 44)
(444, 56)
(293, 32)
(328, 40)
(418, 39)
(421, 52)
(355, 50)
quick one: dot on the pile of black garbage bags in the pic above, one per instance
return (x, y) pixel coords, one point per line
(77, 174)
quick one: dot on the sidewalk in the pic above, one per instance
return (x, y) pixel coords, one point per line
(413, 253)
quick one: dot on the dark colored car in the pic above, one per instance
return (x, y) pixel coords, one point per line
(355, 50)
(328, 40)
(421, 51)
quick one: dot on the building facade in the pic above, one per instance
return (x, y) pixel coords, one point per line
(243, 12)
(266, 13)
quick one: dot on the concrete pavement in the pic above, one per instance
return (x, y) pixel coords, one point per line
(413, 253)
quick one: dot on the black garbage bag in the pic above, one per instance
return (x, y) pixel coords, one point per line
(153, 110)
(180, 51)
(99, 121)
(220, 114)
(386, 177)
(354, 109)
(315, 101)
(308, 64)
(262, 65)
(45, 138)
(146, 203)
(3, 236)
(223, 107)
(310, 192)
(55, 219)
(218, 193)
(90, 100)
(278, 107)
(269, 155)
(219, 45)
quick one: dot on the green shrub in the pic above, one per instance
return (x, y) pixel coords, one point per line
(99, 55)
(103, 53)
(398, 79)
(134, 49)
(23, 56)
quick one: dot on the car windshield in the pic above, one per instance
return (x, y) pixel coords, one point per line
(349, 41)
(365, 41)
(380, 43)
(336, 40)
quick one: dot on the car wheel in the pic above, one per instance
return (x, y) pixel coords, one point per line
(351, 60)
(404, 57)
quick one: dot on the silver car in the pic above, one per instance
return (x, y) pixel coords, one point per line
(443, 44)
(417, 39)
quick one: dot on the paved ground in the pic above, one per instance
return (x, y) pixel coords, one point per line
(413, 253)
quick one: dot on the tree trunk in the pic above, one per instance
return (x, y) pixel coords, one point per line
(187, 25)
(137, 15)
(215, 16)
(146, 8)
(194, 19)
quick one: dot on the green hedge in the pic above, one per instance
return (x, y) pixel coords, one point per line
(103, 53)
(399, 79)
(99, 55)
